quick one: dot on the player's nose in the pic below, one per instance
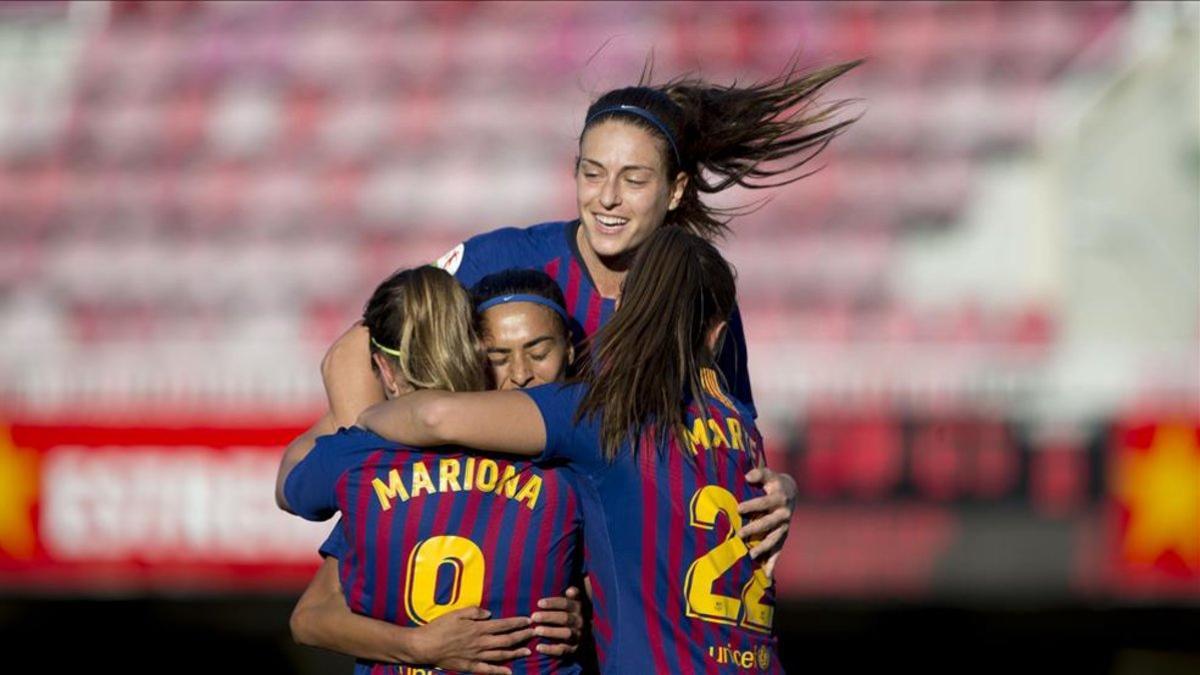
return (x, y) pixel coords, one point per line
(520, 374)
(610, 194)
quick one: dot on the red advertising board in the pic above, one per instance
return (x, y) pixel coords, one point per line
(145, 508)
(136, 508)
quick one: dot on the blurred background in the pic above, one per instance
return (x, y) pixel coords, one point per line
(974, 335)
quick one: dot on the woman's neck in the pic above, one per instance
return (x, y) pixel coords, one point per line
(606, 273)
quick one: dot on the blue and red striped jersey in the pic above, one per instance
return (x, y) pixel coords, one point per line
(674, 589)
(428, 532)
(552, 248)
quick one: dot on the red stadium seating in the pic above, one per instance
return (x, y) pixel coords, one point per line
(220, 165)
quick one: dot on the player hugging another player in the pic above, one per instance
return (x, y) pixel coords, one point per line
(660, 448)
(432, 545)
(647, 155)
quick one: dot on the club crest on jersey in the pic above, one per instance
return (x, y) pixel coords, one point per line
(763, 655)
(451, 260)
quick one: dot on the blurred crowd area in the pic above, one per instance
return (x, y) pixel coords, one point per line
(195, 198)
(986, 294)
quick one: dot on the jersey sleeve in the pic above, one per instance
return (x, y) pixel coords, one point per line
(309, 487)
(334, 545)
(483, 254)
(565, 440)
(733, 363)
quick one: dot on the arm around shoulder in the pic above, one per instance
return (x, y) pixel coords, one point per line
(497, 421)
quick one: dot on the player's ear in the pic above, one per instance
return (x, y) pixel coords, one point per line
(677, 188)
(386, 375)
(715, 337)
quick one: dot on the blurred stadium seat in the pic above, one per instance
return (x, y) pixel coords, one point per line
(191, 153)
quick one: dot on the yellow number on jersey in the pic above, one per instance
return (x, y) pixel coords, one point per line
(702, 602)
(424, 563)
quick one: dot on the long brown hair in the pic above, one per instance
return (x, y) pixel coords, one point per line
(756, 136)
(423, 320)
(645, 363)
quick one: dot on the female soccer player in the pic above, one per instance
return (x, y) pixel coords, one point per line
(423, 530)
(524, 328)
(647, 154)
(661, 450)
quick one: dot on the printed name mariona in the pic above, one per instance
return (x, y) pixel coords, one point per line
(456, 474)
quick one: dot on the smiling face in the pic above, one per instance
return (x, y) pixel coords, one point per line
(622, 187)
(525, 345)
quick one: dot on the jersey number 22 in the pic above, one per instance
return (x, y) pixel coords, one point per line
(702, 603)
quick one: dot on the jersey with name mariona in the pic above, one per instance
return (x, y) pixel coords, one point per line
(427, 532)
(551, 247)
(673, 587)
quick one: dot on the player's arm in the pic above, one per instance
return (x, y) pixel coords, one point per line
(323, 619)
(350, 388)
(350, 383)
(463, 640)
(297, 450)
(498, 421)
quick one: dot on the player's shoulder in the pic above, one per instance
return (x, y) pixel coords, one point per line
(719, 393)
(509, 246)
(729, 405)
(353, 439)
(551, 230)
(744, 413)
(557, 394)
(545, 238)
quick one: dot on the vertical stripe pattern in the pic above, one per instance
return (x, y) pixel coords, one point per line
(526, 539)
(667, 512)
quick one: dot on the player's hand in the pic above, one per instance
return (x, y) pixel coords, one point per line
(560, 619)
(469, 640)
(774, 515)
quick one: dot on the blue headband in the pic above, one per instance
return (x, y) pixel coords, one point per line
(525, 297)
(644, 114)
